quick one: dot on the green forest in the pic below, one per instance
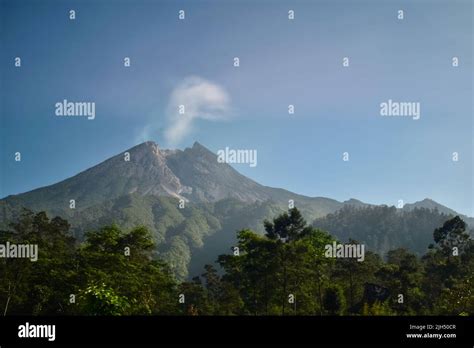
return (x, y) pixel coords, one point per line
(284, 271)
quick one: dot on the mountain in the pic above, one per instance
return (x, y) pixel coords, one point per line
(383, 228)
(193, 175)
(144, 185)
(432, 205)
(147, 185)
(356, 203)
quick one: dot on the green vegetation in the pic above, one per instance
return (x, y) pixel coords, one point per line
(200, 231)
(283, 271)
(189, 238)
(97, 275)
(384, 228)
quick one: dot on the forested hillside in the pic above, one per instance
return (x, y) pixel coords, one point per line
(384, 228)
(192, 205)
(285, 271)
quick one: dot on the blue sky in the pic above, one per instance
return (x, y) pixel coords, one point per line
(282, 62)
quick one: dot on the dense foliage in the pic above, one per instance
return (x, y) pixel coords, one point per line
(111, 273)
(384, 228)
(281, 272)
(178, 233)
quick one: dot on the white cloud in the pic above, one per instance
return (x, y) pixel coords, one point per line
(201, 99)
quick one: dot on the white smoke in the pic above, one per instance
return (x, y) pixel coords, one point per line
(201, 99)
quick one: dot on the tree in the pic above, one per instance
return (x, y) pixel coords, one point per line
(447, 264)
(111, 273)
(451, 235)
(353, 274)
(194, 298)
(457, 300)
(334, 300)
(283, 272)
(122, 263)
(287, 227)
(42, 286)
(286, 263)
(254, 271)
(402, 274)
(99, 299)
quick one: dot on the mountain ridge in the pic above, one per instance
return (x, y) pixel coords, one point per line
(182, 181)
(147, 185)
(192, 174)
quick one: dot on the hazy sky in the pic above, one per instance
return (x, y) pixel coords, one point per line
(282, 62)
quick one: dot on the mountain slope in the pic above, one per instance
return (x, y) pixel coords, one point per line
(432, 205)
(383, 228)
(193, 175)
(146, 185)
